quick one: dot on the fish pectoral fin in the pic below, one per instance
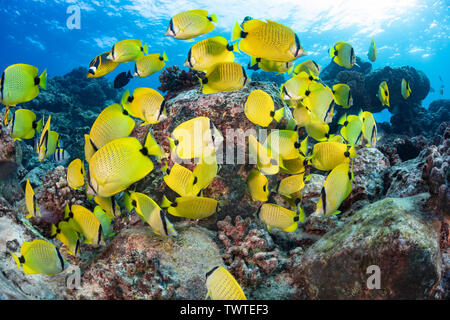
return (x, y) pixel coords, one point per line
(269, 228)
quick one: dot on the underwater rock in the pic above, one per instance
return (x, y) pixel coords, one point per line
(8, 161)
(174, 80)
(14, 284)
(250, 254)
(418, 81)
(139, 264)
(311, 192)
(53, 194)
(436, 173)
(331, 71)
(74, 91)
(225, 109)
(426, 121)
(389, 234)
(368, 169)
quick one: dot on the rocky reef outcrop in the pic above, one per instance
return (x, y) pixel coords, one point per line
(390, 234)
(396, 217)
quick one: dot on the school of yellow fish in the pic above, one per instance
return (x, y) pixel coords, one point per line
(114, 160)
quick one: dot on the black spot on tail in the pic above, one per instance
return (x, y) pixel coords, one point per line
(243, 34)
(22, 259)
(296, 218)
(37, 81)
(144, 151)
(230, 47)
(130, 99)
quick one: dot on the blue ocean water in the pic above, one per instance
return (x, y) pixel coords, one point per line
(406, 32)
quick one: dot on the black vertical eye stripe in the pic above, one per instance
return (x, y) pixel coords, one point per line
(324, 200)
(2, 85)
(164, 222)
(99, 235)
(61, 260)
(189, 58)
(171, 26)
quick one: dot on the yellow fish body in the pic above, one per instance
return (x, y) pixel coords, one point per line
(296, 87)
(68, 236)
(47, 142)
(224, 76)
(85, 222)
(383, 93)
(269, 40)
(190, 24)
(343, 54)
(30, 201)
(351, 129)
(259, 108)
(20, 83)
(127, 50)
(221, 285)
(316, 129)
(101, 66)
(89, 148)
(149, 211)
(24, 124)
(206, 53)
(76, 174)
(258, 186)
(117, 165)
(342, 95)
(269, 66)
(275, 216)
(150, 64)
(108, 204)
(204, 173)
(320, 100)
(196, 138)
(291, 185)
(283, 143)
(105, 221)
(302, 115)
(308, 66)
(369, 128)
(265, 161)
(112, 123)
(40, 257)
(335, 190)
(146, 104)
(191, 207)
(180, 180)
(406, 90)
(327, 155)
(372, 54)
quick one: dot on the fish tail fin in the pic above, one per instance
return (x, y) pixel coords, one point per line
(279, 114)
(125, 97)
(291, 70)
(16, 259)
(236, 33)
(145, 48)
(165, 202)
(43, 80)
(164, 56)
(39, 125)
(332, 52)
(342, 119)
(213, 18)
(171, 143)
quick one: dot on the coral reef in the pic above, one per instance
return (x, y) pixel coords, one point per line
(174, 80)
(8, 162)
(249, 253)
(331, 71)
(138, 264)
(389, 234)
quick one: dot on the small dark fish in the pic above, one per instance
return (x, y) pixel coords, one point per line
(440, 78)
(122, 79)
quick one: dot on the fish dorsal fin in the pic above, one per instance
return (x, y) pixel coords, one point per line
(251, 25)
(201, 12)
